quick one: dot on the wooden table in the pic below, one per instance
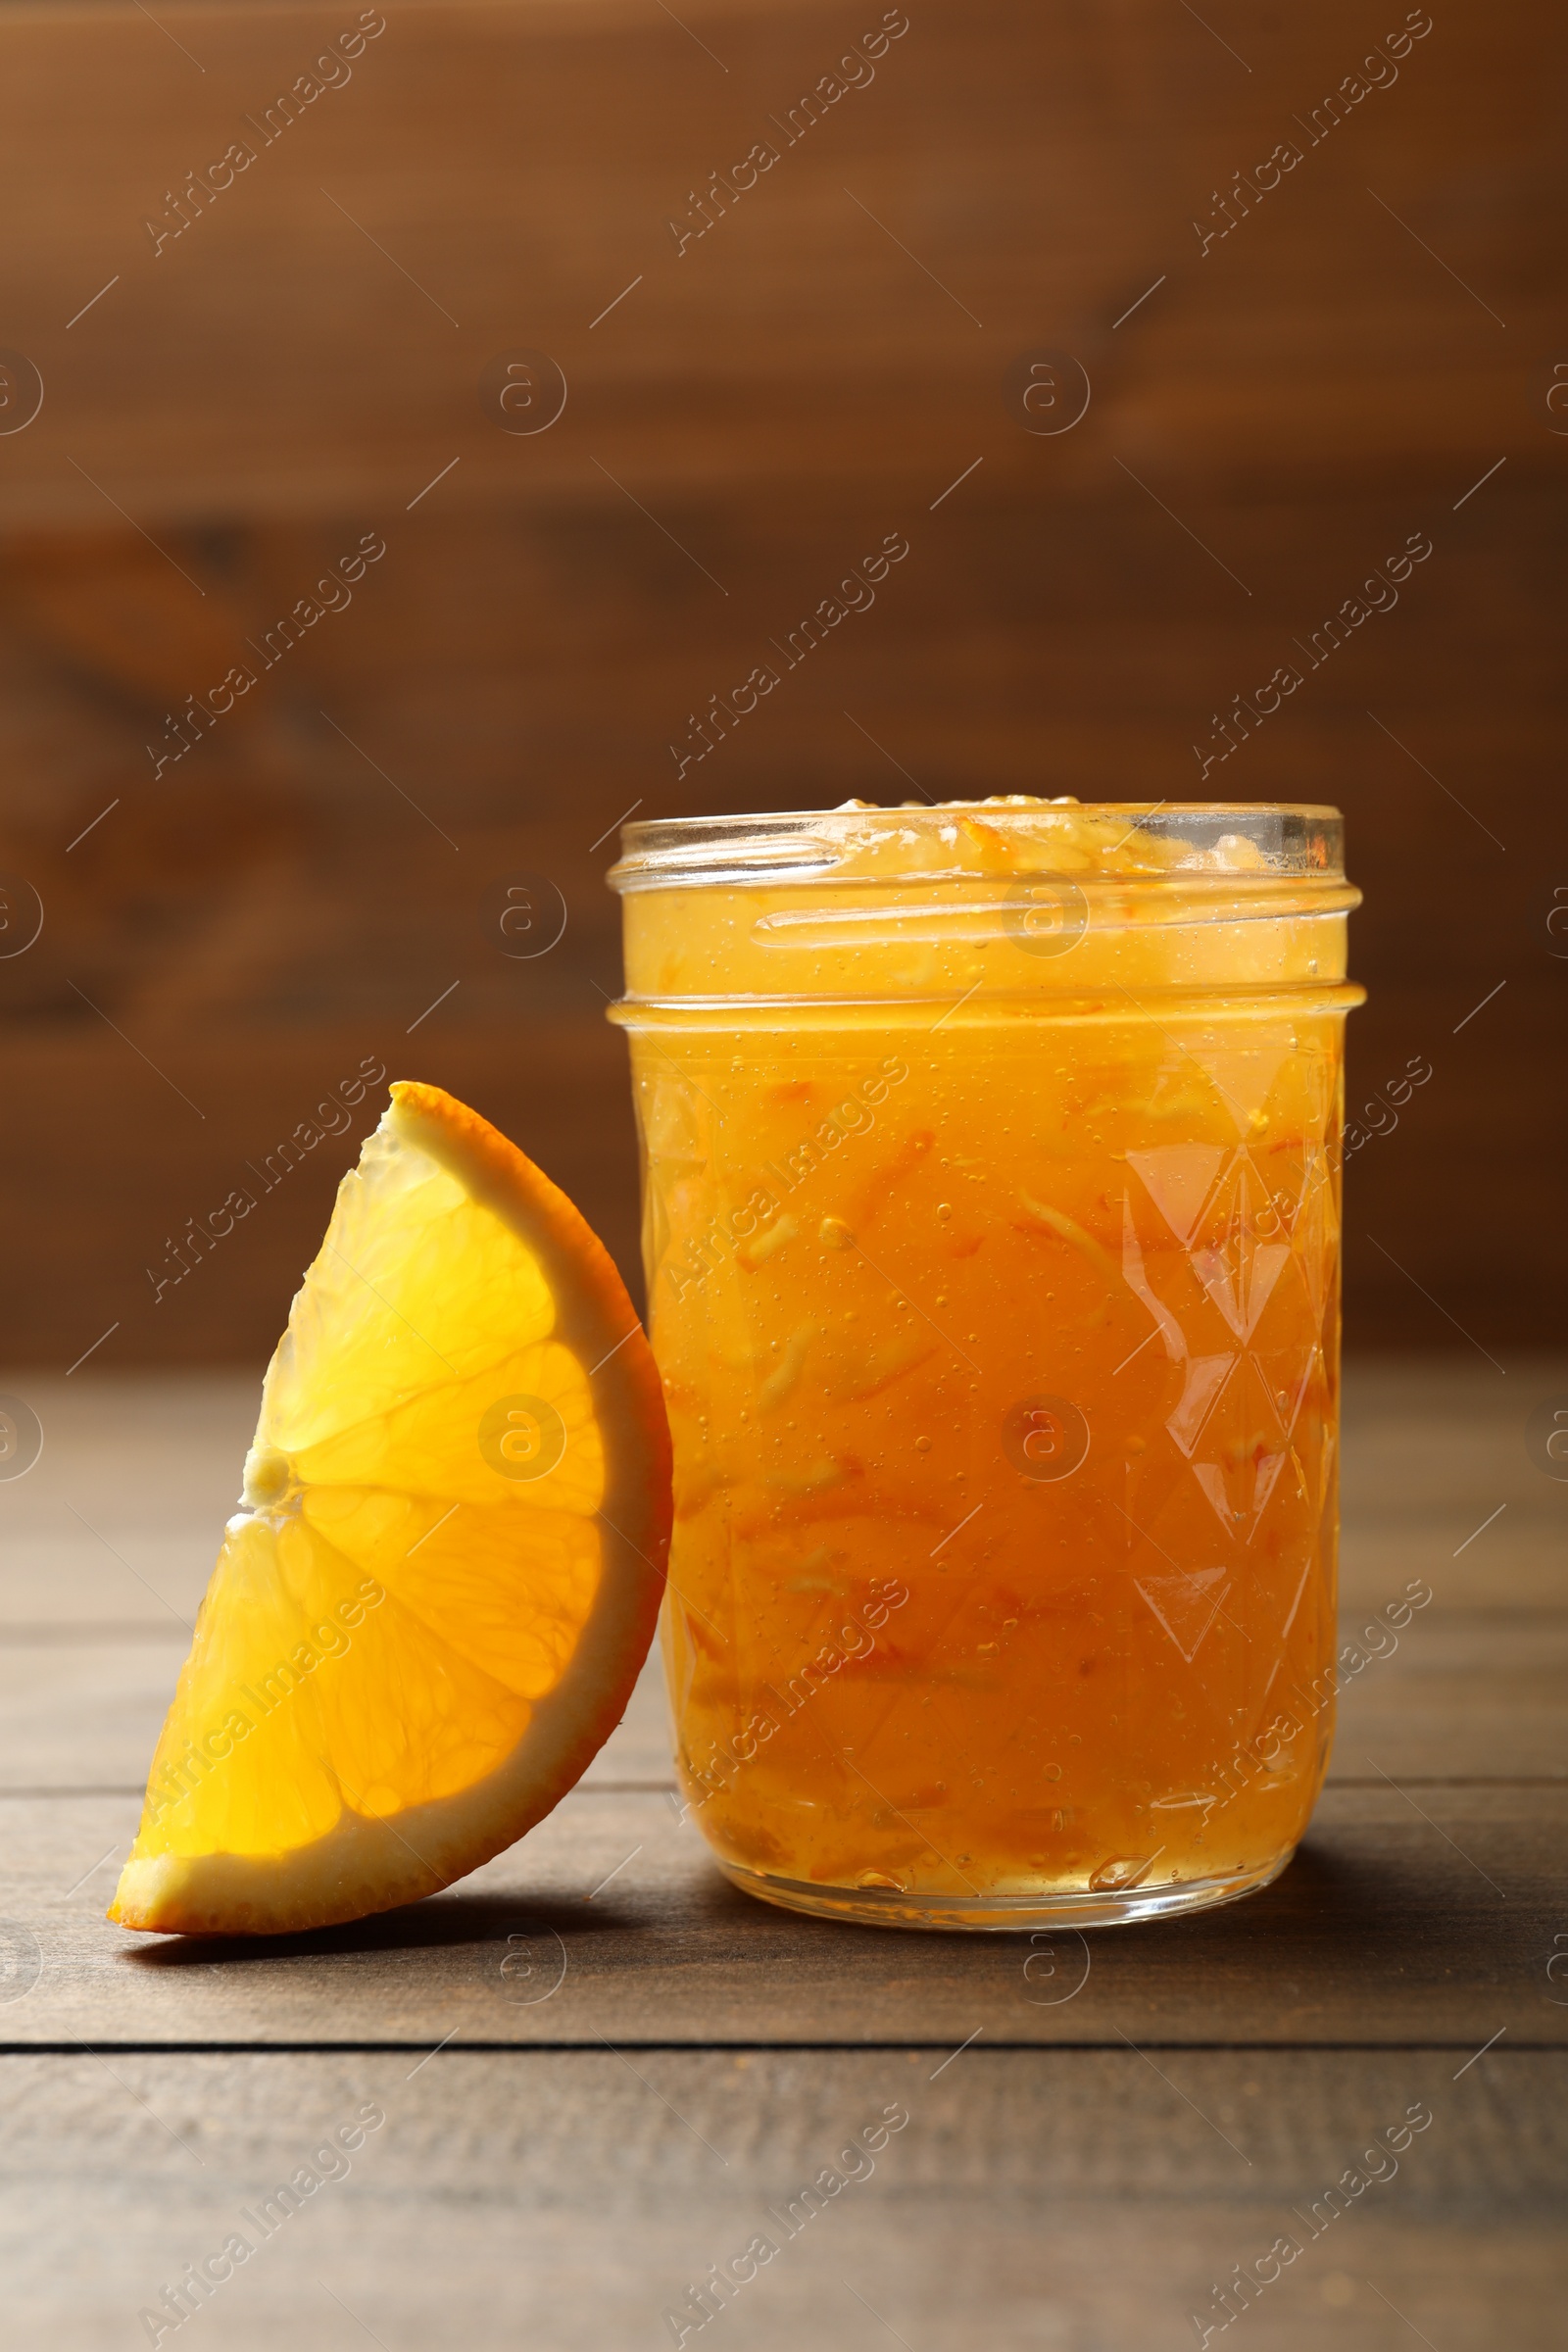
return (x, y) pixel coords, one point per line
(602, 2073)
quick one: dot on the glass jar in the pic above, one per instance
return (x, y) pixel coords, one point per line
(990, 1223)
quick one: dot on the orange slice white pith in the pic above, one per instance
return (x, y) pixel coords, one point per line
(430, 1610)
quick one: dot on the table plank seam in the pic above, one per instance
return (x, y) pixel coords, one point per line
(76, 2048)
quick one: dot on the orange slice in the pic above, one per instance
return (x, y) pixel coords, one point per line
(430, 1611)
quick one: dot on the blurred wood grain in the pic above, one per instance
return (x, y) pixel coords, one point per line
(310, 363)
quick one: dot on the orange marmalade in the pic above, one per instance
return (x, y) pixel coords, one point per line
(991, 1225)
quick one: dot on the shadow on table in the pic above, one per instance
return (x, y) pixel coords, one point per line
(1325, 1899)
(441, 1920)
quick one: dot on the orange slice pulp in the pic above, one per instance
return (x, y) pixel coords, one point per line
(429, 1612)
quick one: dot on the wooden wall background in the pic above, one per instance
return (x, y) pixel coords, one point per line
(235, 410)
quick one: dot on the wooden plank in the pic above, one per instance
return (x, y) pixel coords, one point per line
(314, 982)
(1462, 1697)
(118, 1522)
(1518, 1563)
(1438, 1484)
(995, 657)
(108, 1542)
(1060, 2198)
(1427, 1917)
(119, 1518)
(83, 1714)
(1303, 396)
(564, 1096)
(523, 165)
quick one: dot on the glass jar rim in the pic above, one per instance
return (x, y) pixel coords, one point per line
(1179, 841)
